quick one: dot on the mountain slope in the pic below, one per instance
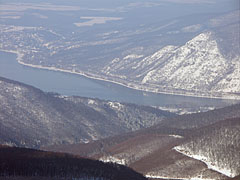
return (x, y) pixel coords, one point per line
(198, 120)
(206, 65)
(32, 118)
(169, 150)
(27, 163)
(236, 178)
(210, 152)
(217, 145)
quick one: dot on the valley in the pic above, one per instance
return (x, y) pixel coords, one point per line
(156, 143)
(120, 90)
(160, 62)
(72, 85)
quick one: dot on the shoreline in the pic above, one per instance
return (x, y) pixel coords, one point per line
(91, 76)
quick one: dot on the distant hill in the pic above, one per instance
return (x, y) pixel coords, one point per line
(30, 117)
(199, 145)
(21, 163)
(197, 120)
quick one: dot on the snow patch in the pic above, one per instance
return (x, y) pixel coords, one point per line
(96, 20)
(210, 165)
(192, 28)
(176, 136)
(62, 96)
(91, 102)
(132, 56)
(17, 88)
(163, 177)
(115, 105)
(113, 160)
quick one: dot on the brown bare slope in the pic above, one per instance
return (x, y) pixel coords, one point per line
(236, 178)
(151, 150)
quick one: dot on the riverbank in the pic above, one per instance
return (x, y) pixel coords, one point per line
(127, 85)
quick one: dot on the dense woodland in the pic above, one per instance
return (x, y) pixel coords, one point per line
(32, 163)
(214, 135)
(32, 118)
(219, 144)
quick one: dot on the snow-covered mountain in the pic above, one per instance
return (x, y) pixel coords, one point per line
(196, 68)
(32, 118)
(206, 65)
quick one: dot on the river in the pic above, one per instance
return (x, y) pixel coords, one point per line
(70, 84)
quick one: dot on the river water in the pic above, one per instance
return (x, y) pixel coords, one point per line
(70, 84)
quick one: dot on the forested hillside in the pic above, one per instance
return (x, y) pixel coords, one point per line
(202, 145)
(30, 117)
(29, 163)
(217, 145)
